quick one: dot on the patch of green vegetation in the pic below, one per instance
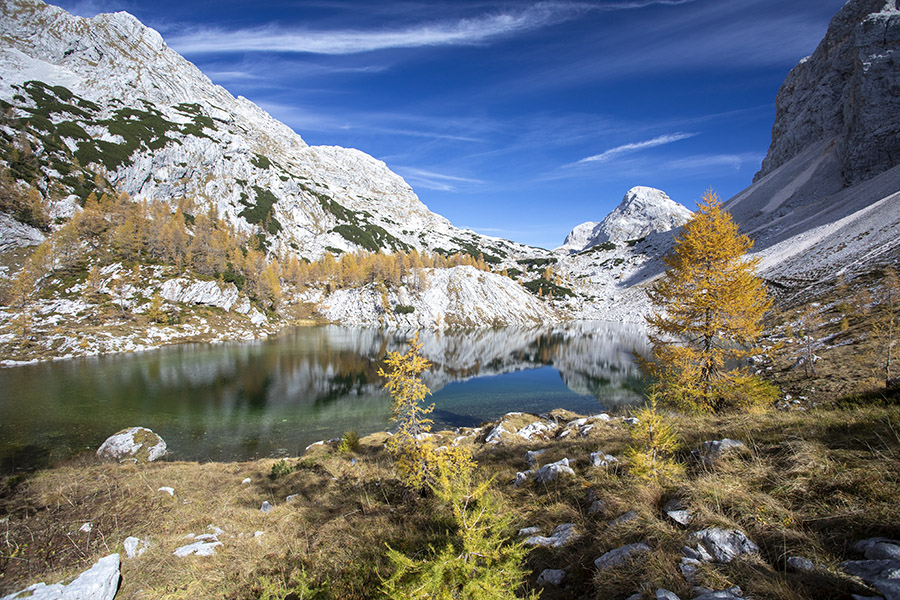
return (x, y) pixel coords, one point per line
(604, 247)
(404, 309)
(349, 442)
(196, 128)
(41, 123)
(260, 212)
(280, 469)
(137, 128)
(71, 129)
(536, 263)
(189, 109)
(632, 243)
(474, 251)
(333, 250)
(335, 208)
(81, 186)
(108, 154)
(261, 241)
(260, 162)
(51, 100)
(514, 273)
(141, 127)
(369, 236)
(543, 287)
(230, 275)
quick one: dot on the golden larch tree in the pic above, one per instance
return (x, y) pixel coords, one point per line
(709, 305)
(412, 454)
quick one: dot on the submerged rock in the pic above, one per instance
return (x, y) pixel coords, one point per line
(100, 582)
(135, 443)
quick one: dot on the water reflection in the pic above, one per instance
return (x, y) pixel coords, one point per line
(239, 401)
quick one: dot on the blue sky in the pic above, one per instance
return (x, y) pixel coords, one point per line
(516, 119)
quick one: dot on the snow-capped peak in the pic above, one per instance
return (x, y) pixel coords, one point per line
(643, 210)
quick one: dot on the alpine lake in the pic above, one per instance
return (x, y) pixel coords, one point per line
(240, 401)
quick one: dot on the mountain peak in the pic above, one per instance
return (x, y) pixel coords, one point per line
(642, 211)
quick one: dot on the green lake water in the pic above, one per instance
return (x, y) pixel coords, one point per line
(239, 401)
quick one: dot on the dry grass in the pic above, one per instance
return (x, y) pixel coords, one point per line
(810, 484)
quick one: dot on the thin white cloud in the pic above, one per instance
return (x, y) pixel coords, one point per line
(459, 32)
(448, 33)
(702, 162)
(634, 147)
(302, 120)
(433, 180)
(270, 72)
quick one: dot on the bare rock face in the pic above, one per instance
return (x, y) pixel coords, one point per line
(849, 91)
(100, 582)
(580, 236)
(135, 443)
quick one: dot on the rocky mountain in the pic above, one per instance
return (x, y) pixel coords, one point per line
(847, 92)
(109, 96)
(104, 105)
(579, 238)
(826, 200)
(643, 210)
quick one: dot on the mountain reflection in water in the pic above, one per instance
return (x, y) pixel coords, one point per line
(243, 400)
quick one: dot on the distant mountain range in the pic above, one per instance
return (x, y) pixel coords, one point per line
(106, 101)
(109, 93)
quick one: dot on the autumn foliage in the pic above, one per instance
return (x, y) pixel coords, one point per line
(709, 307)
(412, 454)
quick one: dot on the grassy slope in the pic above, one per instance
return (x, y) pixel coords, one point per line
(810, 484)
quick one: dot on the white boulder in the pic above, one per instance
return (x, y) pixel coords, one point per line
(135, 443)
(551, 472)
